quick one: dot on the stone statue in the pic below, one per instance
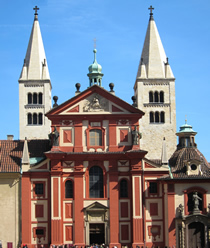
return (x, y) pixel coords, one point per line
(181, 210)
(136, 135)
(196, 199)
(54, 137)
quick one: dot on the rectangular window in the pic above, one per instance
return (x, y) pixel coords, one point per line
(95, 137)
(153, 188)
(39, 188)
(39, 231)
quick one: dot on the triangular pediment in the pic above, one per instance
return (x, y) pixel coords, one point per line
(96, 206)
(94, 101)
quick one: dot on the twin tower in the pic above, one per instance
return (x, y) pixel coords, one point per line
(154, 89)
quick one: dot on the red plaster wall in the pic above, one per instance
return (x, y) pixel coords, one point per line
(26, 209)
(124, 209)
(124, 232)
(69, 233)
(68, 210)
(114, 208)
(55, 197)
(78, 208)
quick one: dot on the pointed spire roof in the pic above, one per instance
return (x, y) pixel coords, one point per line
(153, 55)
(164, 158)
(25, 156)
(35, 62)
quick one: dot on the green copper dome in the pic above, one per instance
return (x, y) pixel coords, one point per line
(186, 129)
(95, 75)
(95, 67)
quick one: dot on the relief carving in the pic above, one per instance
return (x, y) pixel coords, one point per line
(95, 103)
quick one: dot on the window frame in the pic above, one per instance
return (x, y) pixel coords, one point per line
(122, 187)
(100, 183)
(35, 195)
(71, 189)
(149, 187)
(90, 128)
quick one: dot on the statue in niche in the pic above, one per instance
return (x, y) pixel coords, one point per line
(196, 200)
(54, 137)
(136, 135)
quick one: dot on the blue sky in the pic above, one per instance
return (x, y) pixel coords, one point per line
(68, 29)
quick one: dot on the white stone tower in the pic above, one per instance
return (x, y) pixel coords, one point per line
(34, 89)
(155, 94)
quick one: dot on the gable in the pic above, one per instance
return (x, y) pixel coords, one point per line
(94, 104)
(95, 100)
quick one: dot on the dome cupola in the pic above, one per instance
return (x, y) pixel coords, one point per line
(95, 75)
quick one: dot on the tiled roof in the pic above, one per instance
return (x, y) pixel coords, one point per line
(11, 153)
(178, 163)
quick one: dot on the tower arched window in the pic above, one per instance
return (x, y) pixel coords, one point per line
(151, 96)
(40, 98)
(35, 98)
(162, 97)
(162, 117)
(40, 118)
(29, 98)
(151, 117)
(69, 189)
(35, 119)
(96, 182)
(157, 117)
(124, 188)
(29, 118)
(156, 96)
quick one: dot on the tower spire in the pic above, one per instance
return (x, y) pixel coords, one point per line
(34, 88)
(155, 93)
(35, 62)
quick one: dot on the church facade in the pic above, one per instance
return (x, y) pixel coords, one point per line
(110, 173)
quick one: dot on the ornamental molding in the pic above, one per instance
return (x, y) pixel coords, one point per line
(123, 122)
(156, 83)
(34, 85)
(95, 103)
(34, 106)
(123, 163)
(66, 123)
(157, 105)
(68, 164)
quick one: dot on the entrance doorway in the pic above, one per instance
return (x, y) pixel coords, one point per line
(196, 235)
(97, 235)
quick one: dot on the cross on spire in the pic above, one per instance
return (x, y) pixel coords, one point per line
(151, 13)
(94, 43)
(36, 9)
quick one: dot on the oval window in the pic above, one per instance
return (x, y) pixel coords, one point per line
(193, 167)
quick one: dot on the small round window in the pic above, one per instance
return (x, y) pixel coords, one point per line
(193, 167)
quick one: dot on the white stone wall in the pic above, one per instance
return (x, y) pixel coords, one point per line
(153, 133)
(34, 131)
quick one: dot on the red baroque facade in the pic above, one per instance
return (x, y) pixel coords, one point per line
(94, 186)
